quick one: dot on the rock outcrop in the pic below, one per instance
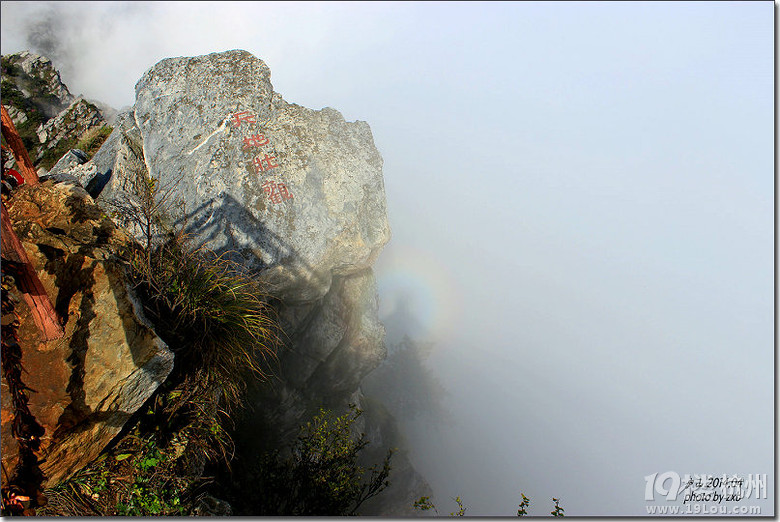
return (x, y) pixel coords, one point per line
(295, 194)
(78, 118)
(32, 85)
(72, 159)
(49, 119)
(88, 383)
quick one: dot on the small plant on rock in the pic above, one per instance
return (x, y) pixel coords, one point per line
(321, 475)
(216, 318)
(92, 139)
(214, 315)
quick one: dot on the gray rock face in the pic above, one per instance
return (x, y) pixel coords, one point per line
(41, 67)
(71, 159)
(334, 343)
(18, 116)
(49, 119)
(293, 193)
(70, 124)
(74, 120)
(120, 161)
(66, 167)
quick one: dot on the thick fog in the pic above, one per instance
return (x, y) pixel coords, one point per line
(581, 199)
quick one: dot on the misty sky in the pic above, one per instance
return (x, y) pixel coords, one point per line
(581, 197)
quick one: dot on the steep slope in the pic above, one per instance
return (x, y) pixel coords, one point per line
(50, 120)
(86, 385)
(293, 194)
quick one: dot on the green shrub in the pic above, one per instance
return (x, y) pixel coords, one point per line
(13, 97)
(136, 478)
(10, 94)
(522, 508)
(155, 491)
(425, 504)
(557, 510)
(9, 68)
(150, 473)
(321, 475)
(214, 316)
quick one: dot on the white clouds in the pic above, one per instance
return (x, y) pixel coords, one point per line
(102, 48)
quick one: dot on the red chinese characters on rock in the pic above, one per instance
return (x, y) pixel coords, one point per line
(255, 140)
(264, 164)
(276, 192)
(242, 117)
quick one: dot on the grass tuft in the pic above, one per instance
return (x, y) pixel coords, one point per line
(92, 139)
(215, 317)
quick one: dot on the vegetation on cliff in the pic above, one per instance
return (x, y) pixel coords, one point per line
(90, 141)
(319, 475)
(221, 325)
(425, 504)
(50, 121)
(31, 106)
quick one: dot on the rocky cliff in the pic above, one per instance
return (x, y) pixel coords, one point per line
(86, 385)
(50, 120)
(295, 194)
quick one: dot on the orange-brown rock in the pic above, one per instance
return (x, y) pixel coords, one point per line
(88, 383)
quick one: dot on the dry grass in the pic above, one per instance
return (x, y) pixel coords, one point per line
(91, 140)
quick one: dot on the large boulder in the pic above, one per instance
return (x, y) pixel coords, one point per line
(295, 192)
(88, 383)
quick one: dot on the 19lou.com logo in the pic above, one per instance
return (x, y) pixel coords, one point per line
(706, 493)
